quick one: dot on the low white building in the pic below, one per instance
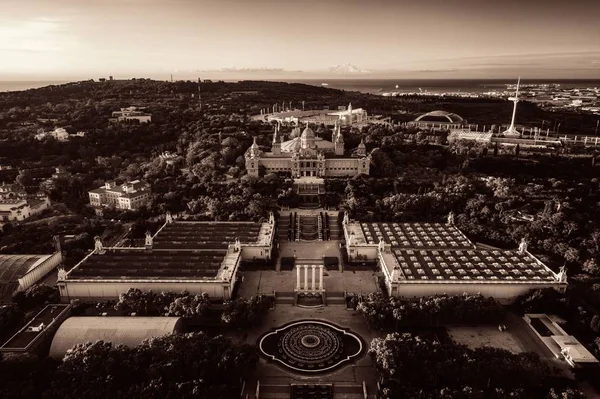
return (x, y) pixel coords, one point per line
(132, 113)
(59, 134)
(19, 209)
(130, 195)
(558, 341)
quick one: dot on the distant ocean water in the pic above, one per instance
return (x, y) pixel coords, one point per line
(377, 85)
(437, 85)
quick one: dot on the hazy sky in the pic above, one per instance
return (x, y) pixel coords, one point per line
(428, 38)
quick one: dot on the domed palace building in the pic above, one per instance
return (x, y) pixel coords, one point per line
(307, 155)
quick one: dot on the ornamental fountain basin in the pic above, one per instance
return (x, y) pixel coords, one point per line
(311, 346)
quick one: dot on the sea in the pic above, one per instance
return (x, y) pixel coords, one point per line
(380, 86)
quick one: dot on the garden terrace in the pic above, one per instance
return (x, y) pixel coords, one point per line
(415, 235)
(145, 264)
(205, 235)
(470, 265)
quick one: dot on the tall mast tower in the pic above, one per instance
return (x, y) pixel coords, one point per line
(511, 130)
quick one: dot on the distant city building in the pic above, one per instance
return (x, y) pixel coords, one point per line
(59, 134)
(422, 259)
(346, 116)
(169, 157)
(130, 195)
(438, 120)
(132, 113)
(19, 209)
(197, 257)
(308, 156)
(11, 191)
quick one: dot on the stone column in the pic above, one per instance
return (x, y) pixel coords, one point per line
(305, 277)
(313, 287)
(321, 278)
(298, 277)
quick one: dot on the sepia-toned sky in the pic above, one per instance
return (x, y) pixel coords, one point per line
(64, 39)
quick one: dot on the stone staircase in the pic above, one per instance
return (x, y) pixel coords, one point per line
(334, 226)
(284, 227)
(308, 228)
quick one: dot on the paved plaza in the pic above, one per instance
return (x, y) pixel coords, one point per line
(361, 370)
(309, 249)
(267, 281)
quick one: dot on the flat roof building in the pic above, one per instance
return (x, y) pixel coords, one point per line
(421, 259)
(198, 257)
(37, 330)
(558, 341)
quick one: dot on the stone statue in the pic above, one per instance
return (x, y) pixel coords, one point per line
(523, 246)
(562, 275)
(451, 218)
(148, 242)
(62, 274)
(98, 247)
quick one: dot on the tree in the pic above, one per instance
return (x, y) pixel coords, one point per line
(246, 312)
(36, 295)
(189, 306)
(595, 324)
(176, 365)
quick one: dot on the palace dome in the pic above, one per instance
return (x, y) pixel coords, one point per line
(440, 117)
(308, 133)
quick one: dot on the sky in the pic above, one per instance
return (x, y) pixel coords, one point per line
(66, 39)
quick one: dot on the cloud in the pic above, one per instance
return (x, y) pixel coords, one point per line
(43, 34)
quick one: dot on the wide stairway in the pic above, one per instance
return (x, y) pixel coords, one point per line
(333, 225)
(308, 227)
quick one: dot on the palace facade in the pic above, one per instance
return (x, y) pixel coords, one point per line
(307, 155)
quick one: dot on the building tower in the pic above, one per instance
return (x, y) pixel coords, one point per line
(252, 159)
(350, 114)
(512, 132)
(361, 151)
(276, 145)
(338, 144)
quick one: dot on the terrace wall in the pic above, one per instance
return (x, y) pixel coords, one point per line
(503, 292)
(368, 251)
(256, 252)
(103, 290)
